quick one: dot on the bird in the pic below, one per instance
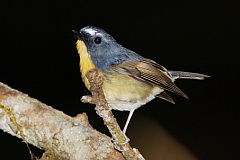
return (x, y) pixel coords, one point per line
(129, 80)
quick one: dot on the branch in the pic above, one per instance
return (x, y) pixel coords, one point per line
(61, 136)
(104, 111)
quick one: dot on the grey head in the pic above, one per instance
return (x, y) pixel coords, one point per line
(103, 48)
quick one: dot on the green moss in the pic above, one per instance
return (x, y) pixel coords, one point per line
(12, 117)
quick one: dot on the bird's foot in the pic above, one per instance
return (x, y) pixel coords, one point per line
(119, 145)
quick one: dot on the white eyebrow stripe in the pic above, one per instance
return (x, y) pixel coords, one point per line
(91, 31)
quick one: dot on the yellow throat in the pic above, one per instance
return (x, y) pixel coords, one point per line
(86, 63)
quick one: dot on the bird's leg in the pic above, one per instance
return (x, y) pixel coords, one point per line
(127, 122)
(130, 113)
(129, 116)
(117, 144)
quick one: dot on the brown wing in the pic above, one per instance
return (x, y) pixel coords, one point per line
(148, 71)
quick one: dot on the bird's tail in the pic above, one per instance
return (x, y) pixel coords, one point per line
(187, 75)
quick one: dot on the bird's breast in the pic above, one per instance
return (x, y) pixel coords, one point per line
(86, 63)
(126, 93)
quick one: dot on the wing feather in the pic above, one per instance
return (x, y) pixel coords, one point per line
(149, 72)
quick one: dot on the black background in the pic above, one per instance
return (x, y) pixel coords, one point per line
(38, 57)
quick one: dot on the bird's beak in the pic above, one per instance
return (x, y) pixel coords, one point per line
(77, 34)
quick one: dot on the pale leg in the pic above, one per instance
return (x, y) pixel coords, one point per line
(128, 120)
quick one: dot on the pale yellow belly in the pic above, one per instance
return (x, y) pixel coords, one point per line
(125, 93)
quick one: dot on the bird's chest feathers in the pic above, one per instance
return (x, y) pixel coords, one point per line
(86, 63)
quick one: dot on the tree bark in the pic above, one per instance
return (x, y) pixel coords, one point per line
(61, 136)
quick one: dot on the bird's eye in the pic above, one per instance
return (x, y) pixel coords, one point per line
(98, 40)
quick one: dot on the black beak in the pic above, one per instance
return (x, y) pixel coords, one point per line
(77, 34)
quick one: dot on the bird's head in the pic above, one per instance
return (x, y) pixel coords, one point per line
(102, 47)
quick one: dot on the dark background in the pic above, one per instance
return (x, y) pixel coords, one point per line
(38, 57)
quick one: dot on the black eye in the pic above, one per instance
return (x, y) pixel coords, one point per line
(98, 40)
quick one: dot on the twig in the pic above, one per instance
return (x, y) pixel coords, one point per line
(104, 111)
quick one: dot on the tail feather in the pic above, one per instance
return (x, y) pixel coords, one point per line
(163, 95)
(187, 75)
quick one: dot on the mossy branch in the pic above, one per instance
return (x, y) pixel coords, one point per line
(61, 136)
